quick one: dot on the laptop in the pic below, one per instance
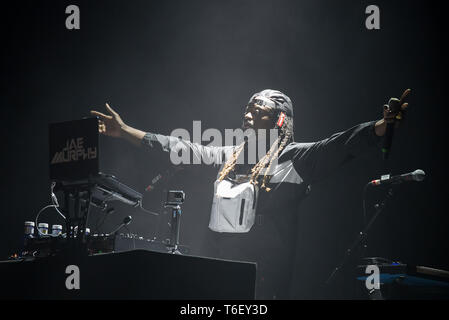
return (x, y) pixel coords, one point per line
(74, 155)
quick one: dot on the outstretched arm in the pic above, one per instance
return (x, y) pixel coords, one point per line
(314, 161)
(112, 125)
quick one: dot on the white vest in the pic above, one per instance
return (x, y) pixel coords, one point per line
(234, 205)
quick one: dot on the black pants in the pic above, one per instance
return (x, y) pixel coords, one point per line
(264, 244)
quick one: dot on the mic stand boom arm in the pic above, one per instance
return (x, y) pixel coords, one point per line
(361, 237)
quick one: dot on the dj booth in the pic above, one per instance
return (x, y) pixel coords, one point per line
(135, 274)
(74, 264)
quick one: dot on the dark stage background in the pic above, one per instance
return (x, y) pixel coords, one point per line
(163, 64)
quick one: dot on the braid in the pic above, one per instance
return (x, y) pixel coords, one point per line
(268, 158)
(263, 162)
(230, 164)
(281, 147)
(287, 133)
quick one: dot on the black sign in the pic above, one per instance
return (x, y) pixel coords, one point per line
(74, 152)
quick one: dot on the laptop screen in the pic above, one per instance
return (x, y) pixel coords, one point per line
(74, 152)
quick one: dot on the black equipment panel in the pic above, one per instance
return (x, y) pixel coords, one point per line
(106, 188)
(137, 274)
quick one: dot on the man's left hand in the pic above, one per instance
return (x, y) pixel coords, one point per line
(395, 110)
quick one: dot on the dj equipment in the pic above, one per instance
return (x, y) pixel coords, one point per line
(75, 167)
(74, 161)
(111, 266)
(46, 246)
(105, 188)
(402, 281)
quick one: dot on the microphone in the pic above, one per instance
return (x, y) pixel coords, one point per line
(388, 139)
(154, 182)
(125, 222)
(394, 106)
(417, 175)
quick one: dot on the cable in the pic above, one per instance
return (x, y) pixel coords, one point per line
(55, 204)
(37, 217)
(145, 210)
(54, 200)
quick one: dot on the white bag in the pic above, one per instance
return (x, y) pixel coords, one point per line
(233, 207)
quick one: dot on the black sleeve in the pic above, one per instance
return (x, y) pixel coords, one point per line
(315, 161)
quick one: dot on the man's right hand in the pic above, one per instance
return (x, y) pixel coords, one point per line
(110, 125)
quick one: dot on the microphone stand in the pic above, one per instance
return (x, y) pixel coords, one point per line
(361, 237)
(175, 224)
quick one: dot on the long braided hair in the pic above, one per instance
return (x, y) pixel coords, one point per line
(284, 137)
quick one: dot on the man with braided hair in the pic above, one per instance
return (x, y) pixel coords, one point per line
(255, 206)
